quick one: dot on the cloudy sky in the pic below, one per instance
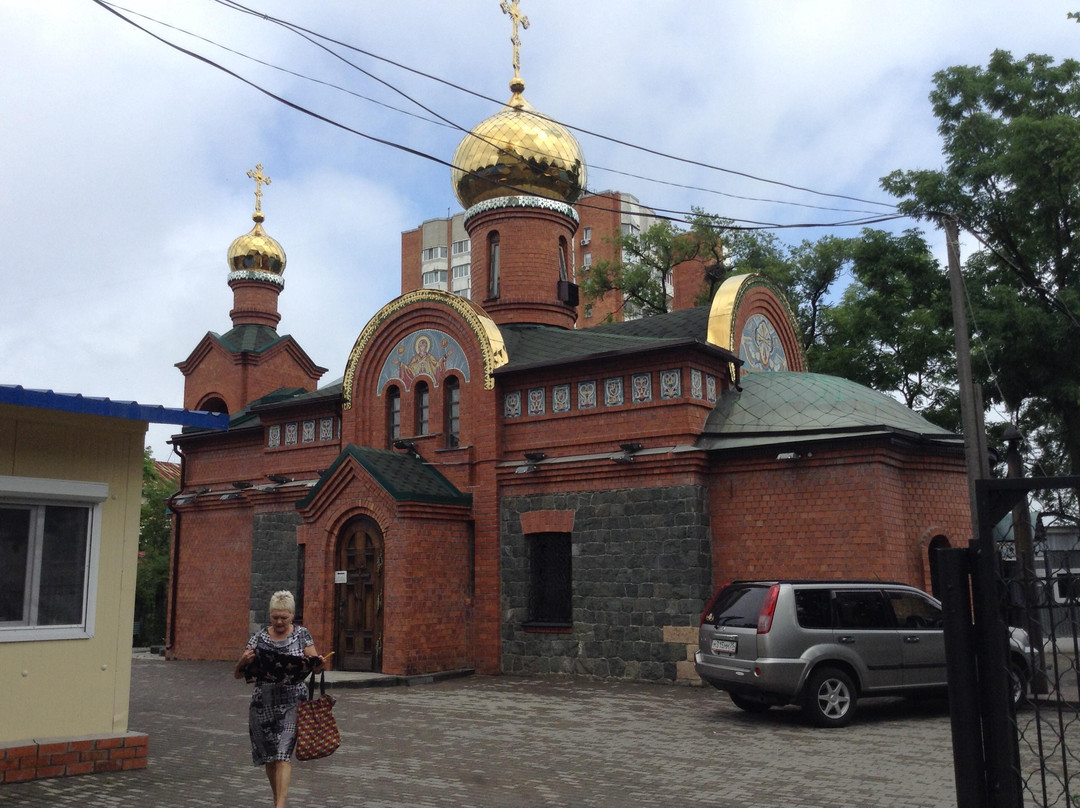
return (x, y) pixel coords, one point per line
(123, 160)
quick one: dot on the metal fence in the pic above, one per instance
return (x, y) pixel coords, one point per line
(1025, 572)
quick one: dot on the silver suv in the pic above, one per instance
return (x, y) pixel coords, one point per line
(825, 644)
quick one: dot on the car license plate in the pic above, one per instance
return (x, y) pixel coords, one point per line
(725, 646)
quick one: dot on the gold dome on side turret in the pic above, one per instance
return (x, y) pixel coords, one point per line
(256, 252)
(517, 152)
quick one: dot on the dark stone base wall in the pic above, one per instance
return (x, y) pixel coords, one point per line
(274, 562)
(641, 566)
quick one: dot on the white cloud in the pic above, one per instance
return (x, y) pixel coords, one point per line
(122, 161)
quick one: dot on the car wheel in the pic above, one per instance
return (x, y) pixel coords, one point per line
(748, 703)
(1018, 683)
(830, 698)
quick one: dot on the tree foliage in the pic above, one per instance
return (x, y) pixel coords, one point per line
(891, 329)
(155, 540)
(1011, 136)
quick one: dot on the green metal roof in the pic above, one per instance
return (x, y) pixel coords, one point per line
(784, 406)
(531, 345)
(248, 338)
(404, 476)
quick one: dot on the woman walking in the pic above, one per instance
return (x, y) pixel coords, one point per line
(276, 659)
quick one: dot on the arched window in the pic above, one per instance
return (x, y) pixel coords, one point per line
(393, 415)
(562, 260)
(493, 264)
(423, 403)
(452, 413)
(213, 404)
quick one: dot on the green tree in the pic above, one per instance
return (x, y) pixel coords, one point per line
(891, 329)
(1011, 135)
(155, 540)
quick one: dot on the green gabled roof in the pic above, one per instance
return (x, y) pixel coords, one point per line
(404, 476)
(297, 395)
(532, 345)
(248, 338)
(784, 406)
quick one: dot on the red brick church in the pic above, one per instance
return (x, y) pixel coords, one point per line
(490, 488)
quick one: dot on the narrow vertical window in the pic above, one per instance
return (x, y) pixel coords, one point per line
(423, 403)
(493, 265)
(562, 259)
(393, 415)
(550, 579)
(452, 403)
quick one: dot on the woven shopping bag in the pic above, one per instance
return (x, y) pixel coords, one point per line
(316, 730)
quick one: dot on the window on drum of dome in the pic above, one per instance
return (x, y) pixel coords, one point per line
(50, 532)
(393, 415)
(423, 404)
(550, 579)
(493, 265)
(562, 259)
(452, 403)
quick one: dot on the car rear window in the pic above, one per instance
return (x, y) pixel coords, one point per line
(738, 606)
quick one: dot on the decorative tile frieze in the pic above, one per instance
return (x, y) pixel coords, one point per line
(670, 383)
(512, 405)
(697, 390)
(307, 433)
(613, 391)
(586, 395)
(560, 398)
(326, 429)
(710, 389)
(291, 432)
(641, 387)
(273, 436)
(537, 401)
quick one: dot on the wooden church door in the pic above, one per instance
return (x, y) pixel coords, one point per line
(358, 613)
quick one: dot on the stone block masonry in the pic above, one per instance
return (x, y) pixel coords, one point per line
(21, 761)
(640, 567)
(274, 563)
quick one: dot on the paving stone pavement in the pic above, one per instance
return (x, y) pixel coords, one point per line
(495, 742)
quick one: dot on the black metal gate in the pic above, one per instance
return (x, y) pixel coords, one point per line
(1024, 572)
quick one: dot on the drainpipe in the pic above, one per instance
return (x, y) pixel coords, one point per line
(174, 556)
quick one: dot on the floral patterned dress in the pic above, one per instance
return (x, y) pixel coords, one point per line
(272, 713)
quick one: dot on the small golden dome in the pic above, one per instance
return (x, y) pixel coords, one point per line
(256, 252)
(518, 151)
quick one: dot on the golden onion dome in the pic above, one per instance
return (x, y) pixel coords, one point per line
(256, 252)
(517, 152)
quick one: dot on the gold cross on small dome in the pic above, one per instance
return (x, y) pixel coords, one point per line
(260, 180)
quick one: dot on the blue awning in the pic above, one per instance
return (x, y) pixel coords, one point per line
(130, 410)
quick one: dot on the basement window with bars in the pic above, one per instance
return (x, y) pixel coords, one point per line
(550, 581)
(50, 535)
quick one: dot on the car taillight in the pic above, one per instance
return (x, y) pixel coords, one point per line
(768, 608)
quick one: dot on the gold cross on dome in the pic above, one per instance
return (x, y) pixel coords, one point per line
(260, 180)
(516, 17)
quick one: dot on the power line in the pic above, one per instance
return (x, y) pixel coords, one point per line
(659, 213)
(700, 164)
(439, 120)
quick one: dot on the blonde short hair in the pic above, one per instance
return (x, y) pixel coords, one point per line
(283, 600)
